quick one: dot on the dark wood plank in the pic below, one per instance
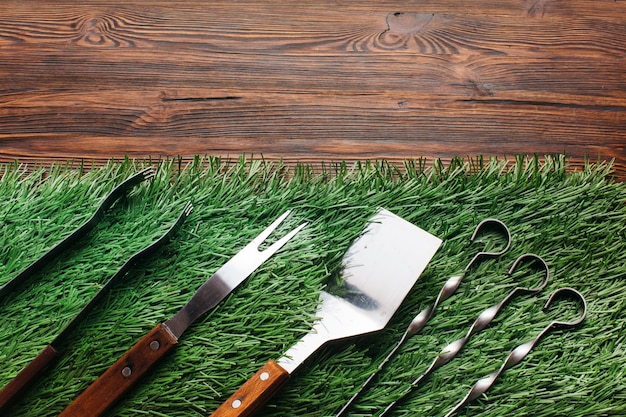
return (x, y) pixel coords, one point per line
(313, 82)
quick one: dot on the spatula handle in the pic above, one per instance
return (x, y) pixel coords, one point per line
(122, 375)
(47, 357)
(254, 393)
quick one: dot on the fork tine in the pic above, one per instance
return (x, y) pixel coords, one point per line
(227, 278)
(188, 209)
(148, 173)
(278, 244)
(250, 257)
(145, 174)
(256, 242)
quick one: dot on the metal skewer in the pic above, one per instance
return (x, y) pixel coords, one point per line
(520, 352)
(453, 283)
(483, 320)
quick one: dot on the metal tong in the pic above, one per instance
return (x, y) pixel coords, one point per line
(52, 352)
(520, 352)
(449, 288)
(82, 230)
(483, 320)
(152, 347)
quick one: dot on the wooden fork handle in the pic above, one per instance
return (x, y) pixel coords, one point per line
(254, 393)
(122, 375)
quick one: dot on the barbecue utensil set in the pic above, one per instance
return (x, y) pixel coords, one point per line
(377, 272)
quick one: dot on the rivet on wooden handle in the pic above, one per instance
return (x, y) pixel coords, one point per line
(122, 375)
(254, 393)
(47, 357)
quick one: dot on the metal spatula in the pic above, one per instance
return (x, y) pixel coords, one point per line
(379, 269)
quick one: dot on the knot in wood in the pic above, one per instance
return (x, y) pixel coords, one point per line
(98, 31)
(92, 30)
(408, 23)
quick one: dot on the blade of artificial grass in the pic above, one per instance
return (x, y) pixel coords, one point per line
(575, 221)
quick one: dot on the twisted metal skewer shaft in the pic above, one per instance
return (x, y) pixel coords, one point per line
(453, 283)
(416, 325)
(519, 353)
(484, 319)
(448, 289)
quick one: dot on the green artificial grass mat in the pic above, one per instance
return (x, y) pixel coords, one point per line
(576, 221)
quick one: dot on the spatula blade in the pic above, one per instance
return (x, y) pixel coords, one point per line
(379, 269)
(383, 264)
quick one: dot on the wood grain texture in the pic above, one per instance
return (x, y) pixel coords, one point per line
(254, 393)
(321, 82)
(103, 393)
(28, 376)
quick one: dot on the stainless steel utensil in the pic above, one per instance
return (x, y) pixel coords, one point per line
(484, 319)
(52, 352)
(379, 269)
(124, 373)
(520, 352)
(449, 288)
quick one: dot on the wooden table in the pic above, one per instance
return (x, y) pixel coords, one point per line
(313, 82)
